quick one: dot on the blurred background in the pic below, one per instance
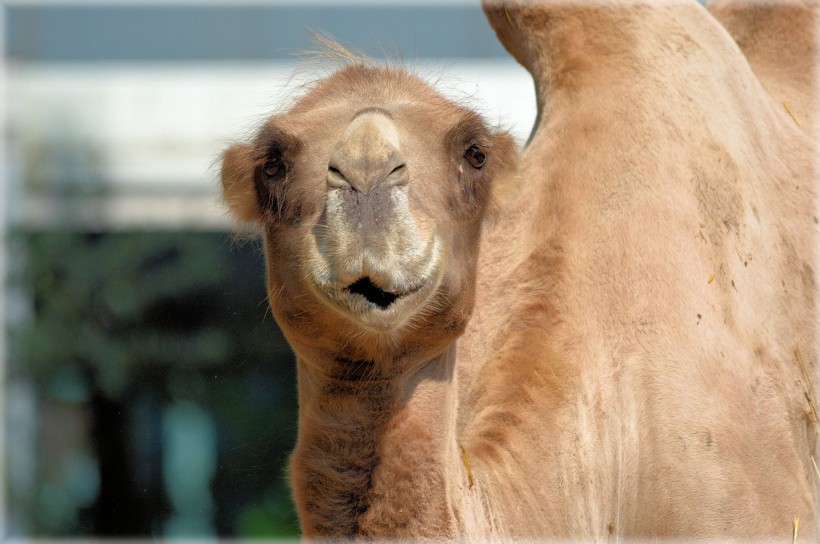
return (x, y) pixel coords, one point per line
(147, 391)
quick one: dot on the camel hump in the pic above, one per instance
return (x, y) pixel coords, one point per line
(568, 46)
(779, 39)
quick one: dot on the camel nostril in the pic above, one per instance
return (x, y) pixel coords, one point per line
(337, 180)
(373, 293)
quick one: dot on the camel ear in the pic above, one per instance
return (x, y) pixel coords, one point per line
(505, 172)
(238, 189)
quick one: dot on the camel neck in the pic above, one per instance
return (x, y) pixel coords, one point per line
(376, 455)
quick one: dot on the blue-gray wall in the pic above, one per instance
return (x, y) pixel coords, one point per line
(184, 33)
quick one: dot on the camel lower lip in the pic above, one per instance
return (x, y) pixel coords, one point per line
(364, 298)
(380, 317)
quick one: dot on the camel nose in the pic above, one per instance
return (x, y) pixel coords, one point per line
(367, 155)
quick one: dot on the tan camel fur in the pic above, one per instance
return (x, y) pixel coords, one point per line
(599, 340)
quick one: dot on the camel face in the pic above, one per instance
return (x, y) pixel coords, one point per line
(371, 190)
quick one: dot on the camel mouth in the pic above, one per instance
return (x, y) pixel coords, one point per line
(379, 297)
(372, 292)
(376, 308)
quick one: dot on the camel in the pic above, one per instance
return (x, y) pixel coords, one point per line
(609, 334)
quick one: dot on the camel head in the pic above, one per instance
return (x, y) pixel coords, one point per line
(370, 191)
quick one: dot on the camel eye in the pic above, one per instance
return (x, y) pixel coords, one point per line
(475, 157)
(274, 167)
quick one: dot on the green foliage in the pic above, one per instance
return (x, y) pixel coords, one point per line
(269, 518)
(105, 303)
(95, 296)
(175, 316)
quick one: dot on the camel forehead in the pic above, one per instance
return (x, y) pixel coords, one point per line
(346, 115)
(340, 99)
(368, 84)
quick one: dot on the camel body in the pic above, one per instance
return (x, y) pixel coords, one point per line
(632, 355)
(622, 353)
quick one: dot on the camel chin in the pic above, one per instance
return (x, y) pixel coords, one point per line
(378, 308)
(381, 294)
